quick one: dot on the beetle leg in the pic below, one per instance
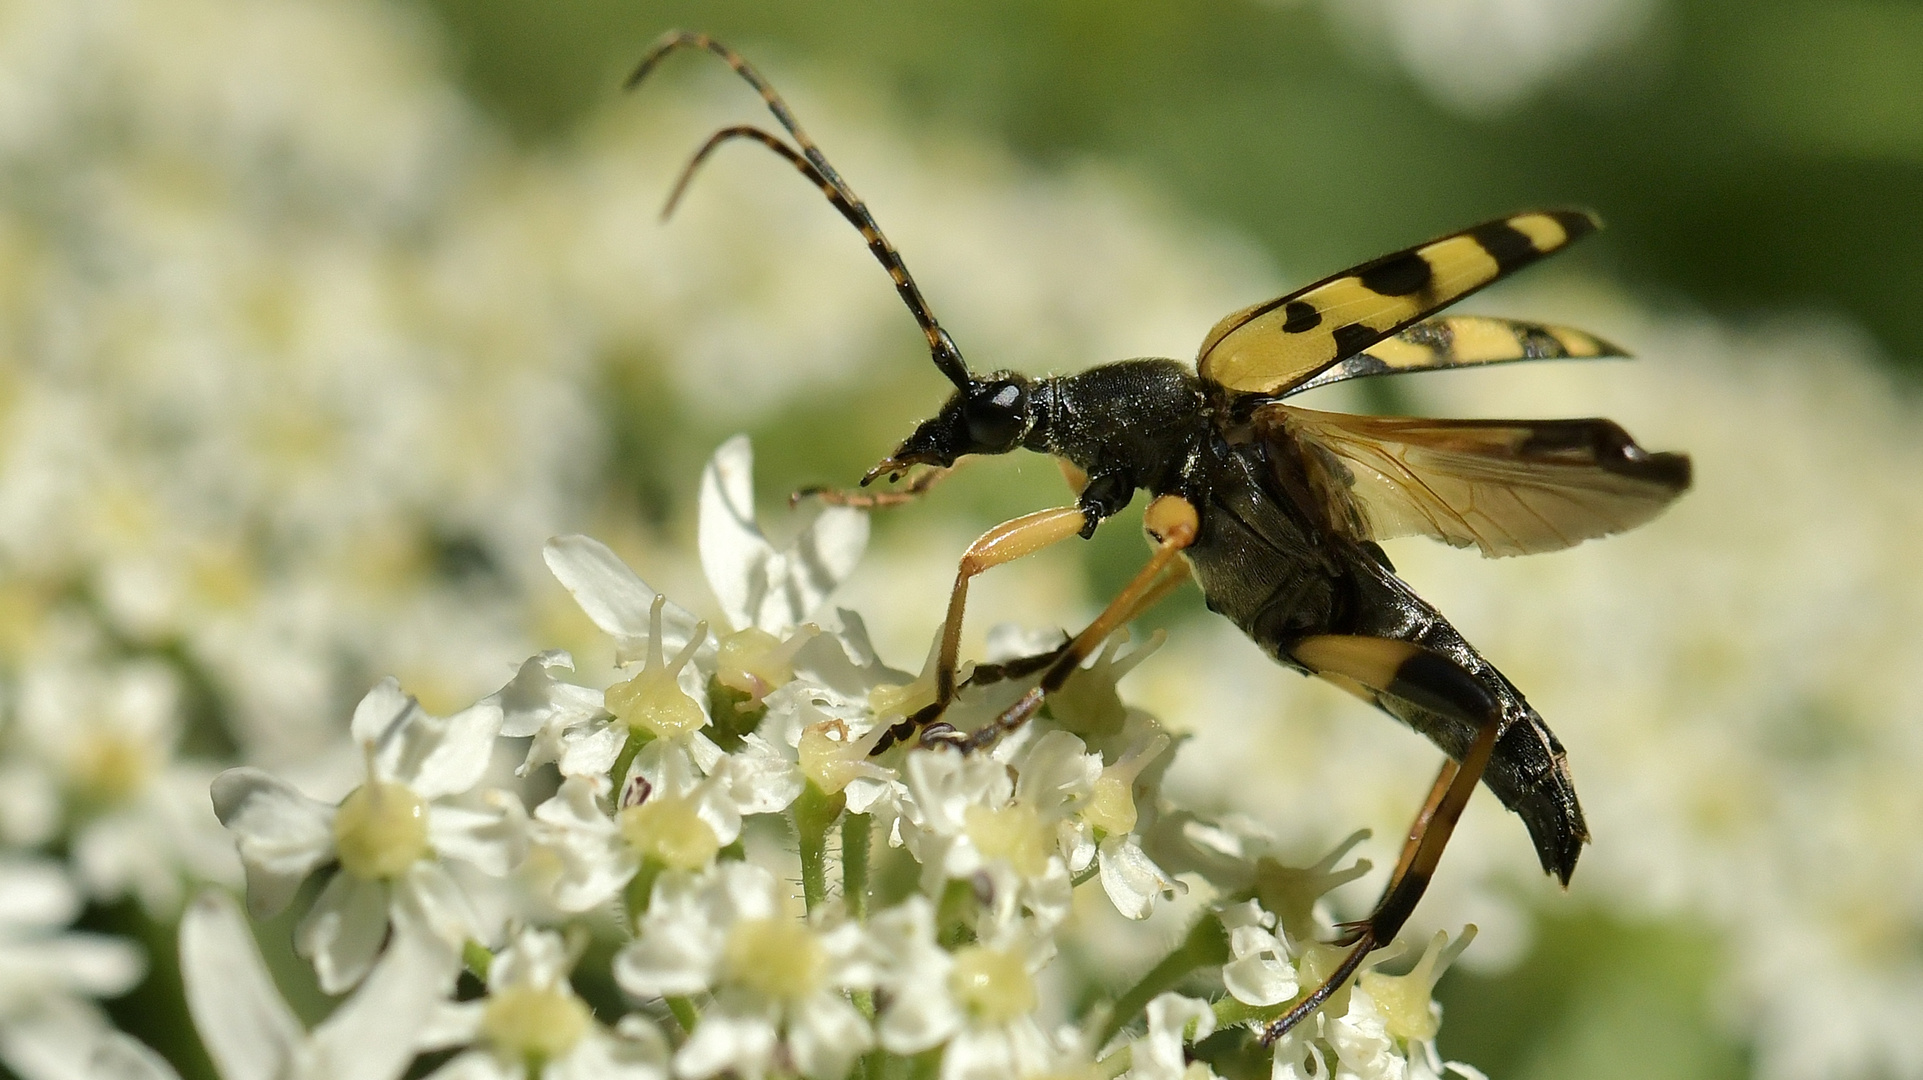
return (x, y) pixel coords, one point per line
(916, 487)
(1002, 544)
(1172, 523)
(1386, 667)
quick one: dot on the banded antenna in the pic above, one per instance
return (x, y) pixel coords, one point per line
(813, 164)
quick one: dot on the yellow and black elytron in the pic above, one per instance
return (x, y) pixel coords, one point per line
(1276, 510)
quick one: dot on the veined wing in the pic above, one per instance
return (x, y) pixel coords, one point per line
(1463, 341)
(1510, 487)
(1274, 346)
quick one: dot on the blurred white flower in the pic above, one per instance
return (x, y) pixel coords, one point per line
(93, 744)
(1478, 57)
(49, 976)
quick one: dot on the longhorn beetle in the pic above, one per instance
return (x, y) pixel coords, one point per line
(1276, 510)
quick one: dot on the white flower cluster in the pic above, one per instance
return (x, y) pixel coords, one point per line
(648, 838)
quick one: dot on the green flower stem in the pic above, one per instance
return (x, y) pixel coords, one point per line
(640, 889)
(1230, 1012)
(856, 832)
(477, 958)
(1115, 1064)
(685, 1013)
(619, 773)
(1207, 944)
(816, 812)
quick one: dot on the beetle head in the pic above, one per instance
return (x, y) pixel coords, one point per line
(989, 415)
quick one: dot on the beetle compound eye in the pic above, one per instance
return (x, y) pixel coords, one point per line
(997, 416)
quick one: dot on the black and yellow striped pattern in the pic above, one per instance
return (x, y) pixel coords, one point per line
(1457, 341)
(1275, 346)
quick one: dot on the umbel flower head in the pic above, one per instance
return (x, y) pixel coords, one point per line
(681, 802)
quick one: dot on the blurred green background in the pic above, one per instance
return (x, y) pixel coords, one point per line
(1746, 156)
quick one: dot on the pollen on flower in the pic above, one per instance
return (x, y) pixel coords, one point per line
(1111, 805)
(992, 984)
(380, 830)
(756, 662)
(669, 831)
(1405, 999)
(535, 1023)
(778, 957)
(653, 701)
(1015, 833)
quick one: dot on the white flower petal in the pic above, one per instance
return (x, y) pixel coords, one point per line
(724, 1041)
(282, 835)
(480, 1065)
(615, 598)
(759, 778)
(825, 1035)
(119, 1056)
(979, 1054)
(344, 930)
(246, 1027)
(494, 840)
(536, 958)
(535, 699)
(1130, 878)
(1158, 1055)
(453, 1023)
(54, 1040)
(594, 862)
(592, 753)
(91, 965)
(427, 896)
(382, 709)
(660, 963)
(460, 755)
(35, 894)
(757, 585)
(372, 1035)
(636, 1051)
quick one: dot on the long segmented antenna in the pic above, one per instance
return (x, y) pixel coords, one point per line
(813, 164)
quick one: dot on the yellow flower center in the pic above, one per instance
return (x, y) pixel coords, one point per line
(777, 957)
(380, 830)
(1111, 806)
(1014, 833)
(832, 763)
(668, 830)
(991, 984)
(535, 1024)
(756, 662)
(109, 767)
(653, 701)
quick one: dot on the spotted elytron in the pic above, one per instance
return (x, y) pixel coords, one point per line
(1276, 510)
